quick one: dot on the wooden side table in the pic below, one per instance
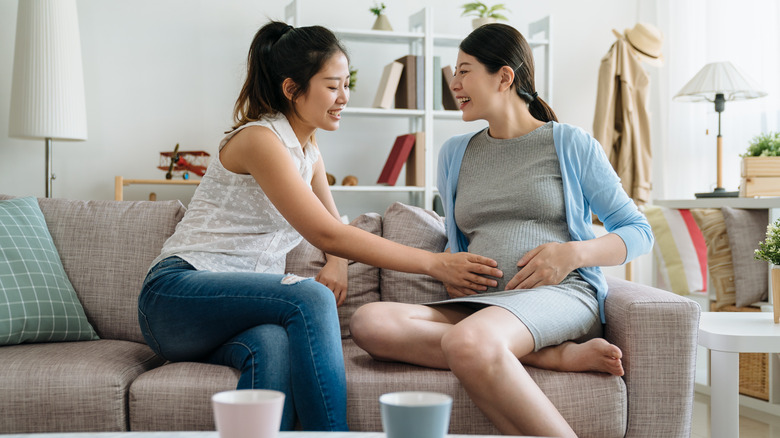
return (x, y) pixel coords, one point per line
(120, 183)
(727, 334)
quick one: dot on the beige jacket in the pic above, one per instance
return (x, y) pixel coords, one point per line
(622, 122)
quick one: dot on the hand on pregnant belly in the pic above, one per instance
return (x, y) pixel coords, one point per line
(546, 264)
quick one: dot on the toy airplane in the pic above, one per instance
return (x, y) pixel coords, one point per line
(183, 161)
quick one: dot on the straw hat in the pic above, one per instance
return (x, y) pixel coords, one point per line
(646, 41)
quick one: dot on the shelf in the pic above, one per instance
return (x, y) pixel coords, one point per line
(773, 202)
(379, 36)
(382, 112)
(397, 189)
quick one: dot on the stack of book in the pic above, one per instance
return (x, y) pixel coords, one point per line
(407, 149)
(403, 85)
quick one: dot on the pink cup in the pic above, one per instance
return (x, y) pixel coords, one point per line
(248, 413)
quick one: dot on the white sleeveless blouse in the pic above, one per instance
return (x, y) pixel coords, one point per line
(230, 224)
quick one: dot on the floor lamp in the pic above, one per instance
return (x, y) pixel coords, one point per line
(47, 91)
(718, 82)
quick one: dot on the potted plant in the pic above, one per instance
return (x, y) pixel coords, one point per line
(381, 23)
(352, 78)
(485, 14)
(761, 166)
(769, 251)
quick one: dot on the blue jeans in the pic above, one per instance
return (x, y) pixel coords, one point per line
(280, 336)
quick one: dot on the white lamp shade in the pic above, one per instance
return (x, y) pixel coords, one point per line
(47, 93)
(719, 78)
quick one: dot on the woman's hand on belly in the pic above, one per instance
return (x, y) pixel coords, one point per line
(546, 264)
(457, 292)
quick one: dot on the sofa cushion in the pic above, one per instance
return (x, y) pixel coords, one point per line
(746, 228)
(719, 263)
(680, 249)
(419, 228)
(38, 301)
(106, 248)
(306, 260)
(177, 396)
(594, 404)
(69, 386)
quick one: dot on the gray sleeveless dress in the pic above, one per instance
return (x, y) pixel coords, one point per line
(509, 201)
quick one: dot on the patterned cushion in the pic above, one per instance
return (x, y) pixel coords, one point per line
(419, 228)
(680, 249)
(38, 301)
(306, 260)
(746, 228)
(721, 269)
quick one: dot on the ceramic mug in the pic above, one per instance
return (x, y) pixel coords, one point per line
(415, 414)
(248, 413)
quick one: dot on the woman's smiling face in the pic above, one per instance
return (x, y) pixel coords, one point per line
(327, 95)
(473, 87)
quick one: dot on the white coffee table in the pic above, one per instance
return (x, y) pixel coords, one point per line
(727, 334)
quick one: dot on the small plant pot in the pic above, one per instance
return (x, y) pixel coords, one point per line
(477, 22)
(382, 23)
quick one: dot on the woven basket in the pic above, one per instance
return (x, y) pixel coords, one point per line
(753, 367)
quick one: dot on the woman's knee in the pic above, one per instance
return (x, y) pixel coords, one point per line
(468, 349)
(365, 322)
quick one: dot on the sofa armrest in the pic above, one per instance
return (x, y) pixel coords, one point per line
(657, 332)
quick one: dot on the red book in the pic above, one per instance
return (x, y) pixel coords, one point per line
(398, 155)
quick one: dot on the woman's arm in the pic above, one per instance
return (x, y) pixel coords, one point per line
(257, 151)
(334, 274)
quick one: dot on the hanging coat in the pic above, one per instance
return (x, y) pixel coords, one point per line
(622, 121)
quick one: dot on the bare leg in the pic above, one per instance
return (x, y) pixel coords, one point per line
(403, 332)
(594, 355)
(482, 351)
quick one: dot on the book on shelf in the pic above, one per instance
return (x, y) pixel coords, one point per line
(388, 84)
(406, 93)
(415, 164)
(402, 147)
(420, 80)
(437, 83)
(448, 97)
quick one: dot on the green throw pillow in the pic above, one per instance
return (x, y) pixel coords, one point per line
(37, 301)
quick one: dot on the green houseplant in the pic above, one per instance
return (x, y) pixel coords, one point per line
(485, 14)
(769, 251)
(764, 145)
(381, 23)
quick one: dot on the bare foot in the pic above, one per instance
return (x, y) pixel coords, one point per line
(594, 355)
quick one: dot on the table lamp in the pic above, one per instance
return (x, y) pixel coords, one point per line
(718, 82)
(47, 91)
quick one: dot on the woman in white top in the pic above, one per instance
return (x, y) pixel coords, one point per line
(217, 293)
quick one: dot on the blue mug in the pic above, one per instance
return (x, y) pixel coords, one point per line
(415, 414)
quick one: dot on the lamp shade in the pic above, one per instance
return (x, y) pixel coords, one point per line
(719, 78)
(47, 92)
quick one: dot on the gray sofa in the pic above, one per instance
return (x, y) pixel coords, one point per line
(117, 383)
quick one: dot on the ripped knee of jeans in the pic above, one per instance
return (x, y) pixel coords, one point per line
(290, 279)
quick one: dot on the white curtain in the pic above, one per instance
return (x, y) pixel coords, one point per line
(697, 32)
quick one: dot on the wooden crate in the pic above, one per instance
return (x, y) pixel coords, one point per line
(760, 177)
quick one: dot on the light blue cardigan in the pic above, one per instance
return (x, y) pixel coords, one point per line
(589, 183)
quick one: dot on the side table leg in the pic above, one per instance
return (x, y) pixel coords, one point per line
(724, 398)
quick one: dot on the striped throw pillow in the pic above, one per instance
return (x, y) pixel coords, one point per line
(680, 249)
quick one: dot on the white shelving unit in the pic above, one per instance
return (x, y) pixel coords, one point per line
(421, 40)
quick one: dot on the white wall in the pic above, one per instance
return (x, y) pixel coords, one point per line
(161, 72)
